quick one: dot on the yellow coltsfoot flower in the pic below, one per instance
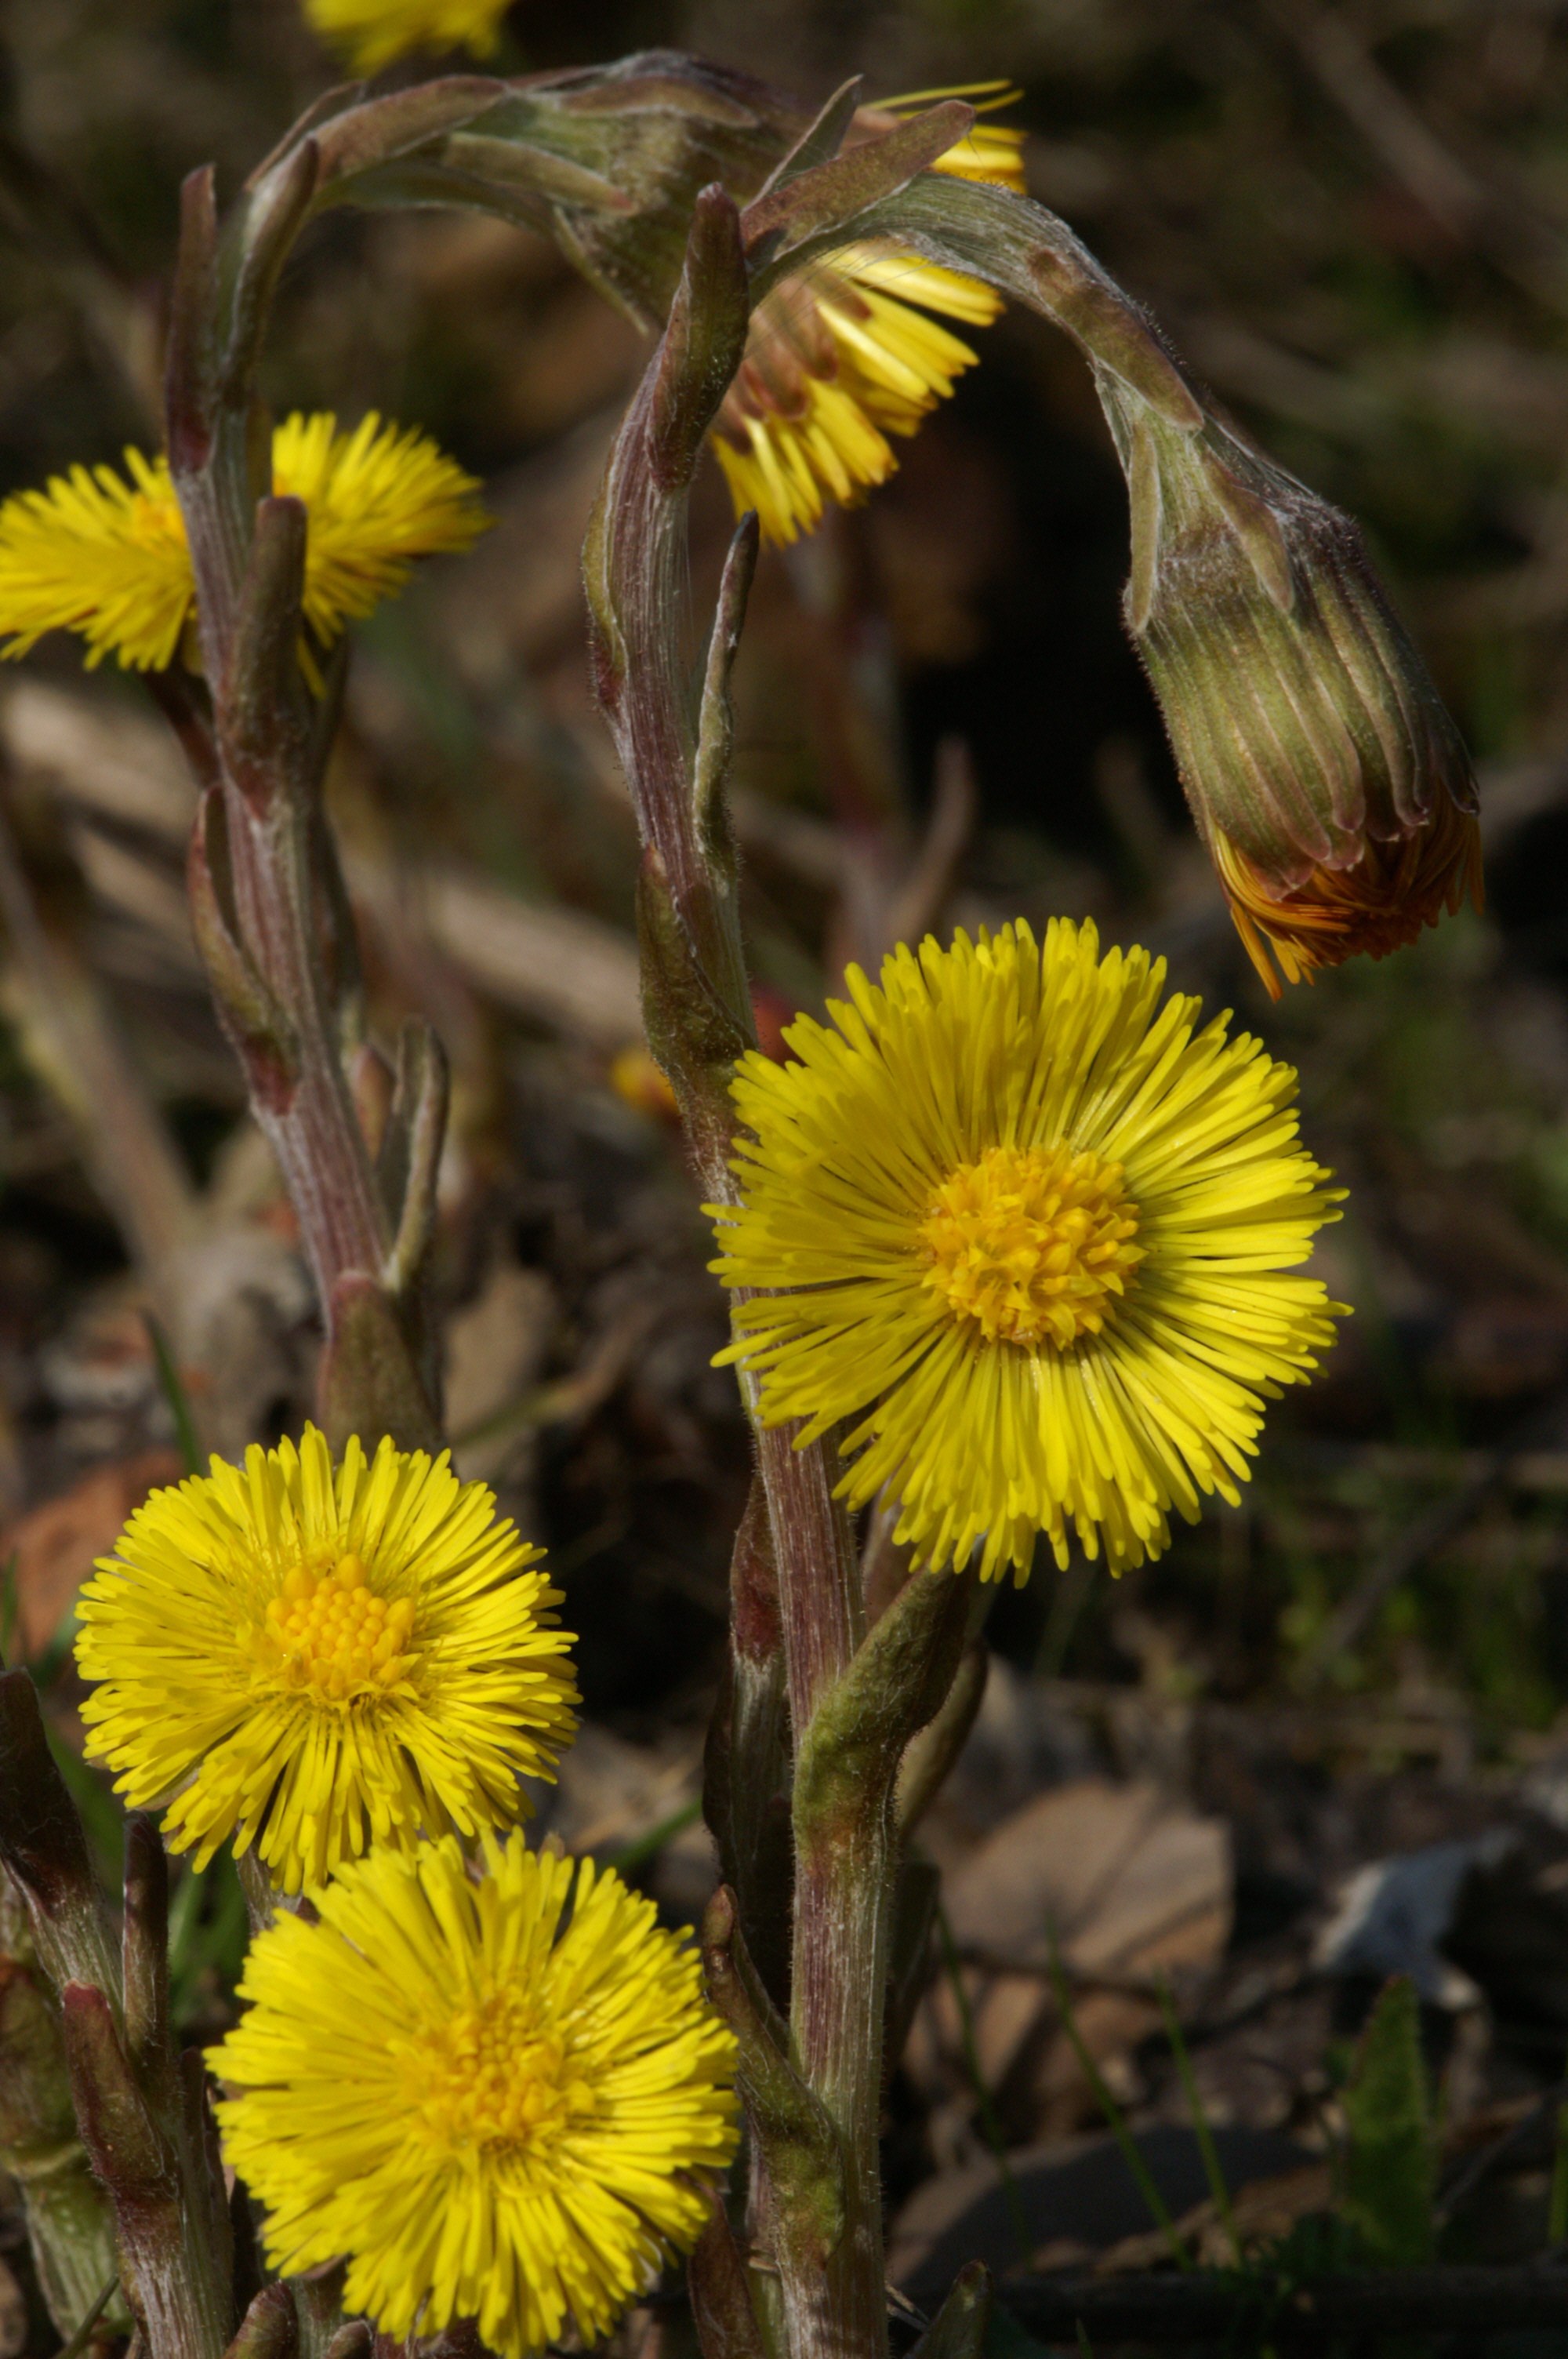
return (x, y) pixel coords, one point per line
(838, 358)
(488, 2115)
(1031, 1232)
(371, 33)
(309, 1660)
(108, 558)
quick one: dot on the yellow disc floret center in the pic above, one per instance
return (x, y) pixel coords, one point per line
(1030, 1245)
(490, 2079)
(328, 1634)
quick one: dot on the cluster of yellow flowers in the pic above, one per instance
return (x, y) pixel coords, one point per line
(1016, 1222)
(1033, 1235)
(484, 2076)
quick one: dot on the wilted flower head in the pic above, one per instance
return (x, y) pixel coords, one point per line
(839, 357)
(489, 2096)
(1325, 774)
(371, 33)
(1032, 1236)
(309, 1658)
(844, 355)
(108, 558)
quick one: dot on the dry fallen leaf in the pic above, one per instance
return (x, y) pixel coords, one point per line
(55, 1544)
(1127, 1882)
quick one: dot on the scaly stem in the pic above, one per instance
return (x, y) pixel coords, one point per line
(842, 1910)
(316, 1139)
(700, 1020)
(269, 910)
(853, 1700)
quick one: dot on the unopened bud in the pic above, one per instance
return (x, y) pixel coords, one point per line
(1322, 770)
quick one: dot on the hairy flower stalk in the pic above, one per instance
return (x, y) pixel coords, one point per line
(70, 2229)
(1323, 772)
(357, 1144)
(141, 2115)
(855, 1697)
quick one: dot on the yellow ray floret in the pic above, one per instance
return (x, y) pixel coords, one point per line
(369, 34)
(311, 1658)
(487, 2115)
(1377, 905)
(838, 358)
(105, 557)
(988, 151)
(1031, 1232)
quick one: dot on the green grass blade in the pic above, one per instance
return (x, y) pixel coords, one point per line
(1218, 2190)
(989, 2124)
(1116, 2120)
(174, 1394)
(644, 1847)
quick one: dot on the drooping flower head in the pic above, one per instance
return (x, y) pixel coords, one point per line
(369, 34)
(108, 558)
(1033, 1234)
(1325, 776)
(845, 352)
(311, 1658)
(488, 2096)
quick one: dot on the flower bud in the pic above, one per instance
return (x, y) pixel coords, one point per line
(1322, 770)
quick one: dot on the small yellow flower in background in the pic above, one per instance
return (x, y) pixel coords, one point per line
(489, 2116)
(377, 498)
(310, 1660)
(1033, 1229)
(108, 558)
(837, 357)
(371, 33)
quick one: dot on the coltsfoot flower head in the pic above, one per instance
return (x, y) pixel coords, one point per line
(845, 353)
(1325, 774)
(491, 2111)
(1033, 1234)
(371, 33)
(309, 1660)
(107, 557)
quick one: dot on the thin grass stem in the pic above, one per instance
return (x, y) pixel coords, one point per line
(1115, 2118)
